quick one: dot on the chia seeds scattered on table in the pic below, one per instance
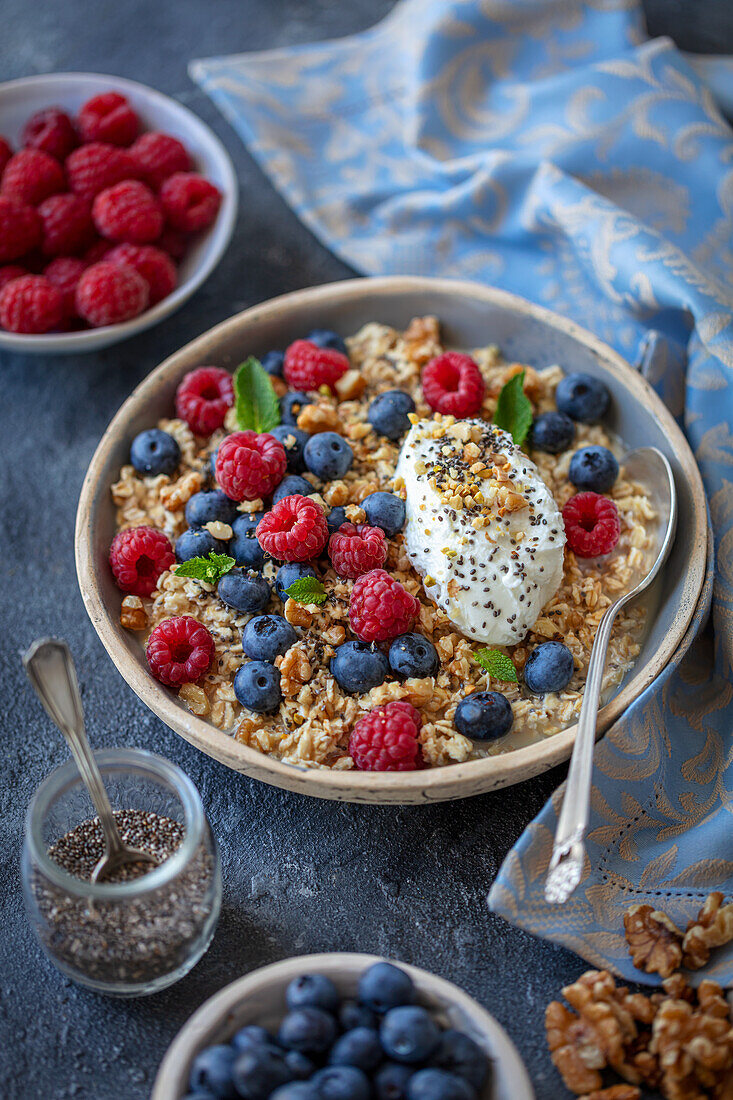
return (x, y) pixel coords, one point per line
(132, 939)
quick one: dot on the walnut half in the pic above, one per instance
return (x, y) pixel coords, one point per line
(712, 928)
(655, 942)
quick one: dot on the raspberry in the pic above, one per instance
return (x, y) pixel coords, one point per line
(31, 176)
(108, 117)
(249, 465)
(11, 271)
(179, 650)
(592, 525)
(138, 556)
(64, 272)
(67, 225)
(174, 243)
(203, 398)
(386, 739)
(308, 366)
(30, 304)
(159, 156)
(20, 229)
(380, 608)
(129, 211)
(6, 152)
(95, 167)
(453, 384)
(156, 268)
(294, 530)
(190, 202)
(52, 131)
(98, 251)
(108, 294)
(355, 550)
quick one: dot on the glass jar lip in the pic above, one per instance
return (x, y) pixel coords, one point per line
(67, 775)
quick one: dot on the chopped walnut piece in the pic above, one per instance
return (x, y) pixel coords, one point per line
(295, 670)
(712, 928)
(574, 1049)
(422, 339)
(132, 614)
(195, 698)
(615, 1092)
(350, 385)
(175, 497)
(297, 614)
(320, 418)
(654, 940)
(532, 386)
(694, 1044)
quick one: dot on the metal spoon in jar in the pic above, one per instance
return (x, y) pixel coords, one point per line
(51, 671)
(648, 466)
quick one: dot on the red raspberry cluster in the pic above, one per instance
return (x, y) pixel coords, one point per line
(94, 217)
(380, 608)
(386, 739)
(354, 550)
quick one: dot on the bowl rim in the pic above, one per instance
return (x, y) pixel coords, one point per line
(206, 1020)
(220, 232)
(427, 785)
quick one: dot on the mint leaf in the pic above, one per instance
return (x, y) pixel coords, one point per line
(210, 569)
(498, 665)
(514, 409)
(256, 403)
(307, 590)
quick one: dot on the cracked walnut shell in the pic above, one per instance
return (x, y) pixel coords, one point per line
(655, 942)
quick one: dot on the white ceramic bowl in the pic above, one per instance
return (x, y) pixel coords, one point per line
(19, 99)
(259, 998)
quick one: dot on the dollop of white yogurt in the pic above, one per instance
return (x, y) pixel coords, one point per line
(482, 527)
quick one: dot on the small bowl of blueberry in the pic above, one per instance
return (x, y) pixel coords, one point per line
(342, 1027)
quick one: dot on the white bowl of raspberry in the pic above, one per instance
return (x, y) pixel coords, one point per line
(116, 203)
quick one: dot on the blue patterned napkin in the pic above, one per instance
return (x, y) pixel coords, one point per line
(545, 147)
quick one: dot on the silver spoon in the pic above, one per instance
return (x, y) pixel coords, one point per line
(51, 671)
(648, 466)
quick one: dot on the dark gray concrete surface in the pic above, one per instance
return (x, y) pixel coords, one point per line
(300, 875)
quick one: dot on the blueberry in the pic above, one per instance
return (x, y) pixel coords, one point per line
(413, 655)
(307, 1030)
(266, 637)
(272, 361)
(251, 1036)
(391, 1080)
(293, 440)
(257, 687)
(552, 432)
(384, 986)
(300, 1066)
(212, 506)
(296, 1090)
(290, 572)
(198, 543)
(291, 404)
(335, 518)
(324, 338)
(359, 1047)
(385, 510)
(351, 1014)
(244, 590)
(212, 1070)
(312, 990)
(388, 413)
(291, 486)
(594, 469)
(328, 455)
(359, 667)
(154, 452)
(342, 1083)
(409, 1034)
(549, 667)
(484, 716)
(436, 1084)
(458, 1053)
(244, 547)
(259, 1071)
(582, 397)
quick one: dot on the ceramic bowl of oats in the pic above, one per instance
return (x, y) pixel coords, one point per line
(357, 541)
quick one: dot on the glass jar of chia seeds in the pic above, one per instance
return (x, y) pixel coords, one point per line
(140, 934)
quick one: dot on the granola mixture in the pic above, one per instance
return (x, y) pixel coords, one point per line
(311, 727)
(679, 1042)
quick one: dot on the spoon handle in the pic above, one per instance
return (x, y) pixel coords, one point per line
(568, 853)
(50, 669)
